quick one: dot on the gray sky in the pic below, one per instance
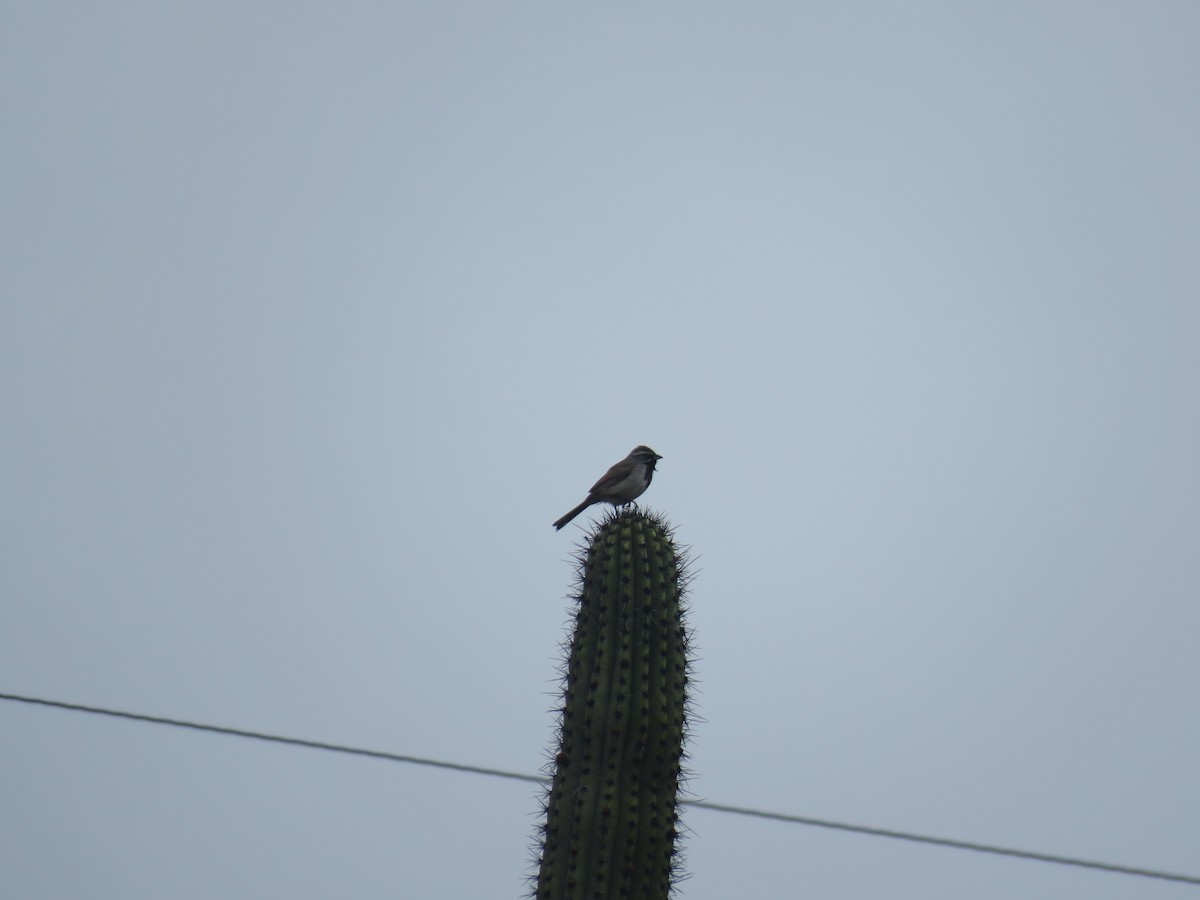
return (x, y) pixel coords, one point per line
(315, 317)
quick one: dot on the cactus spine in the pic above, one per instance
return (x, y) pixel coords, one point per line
(612, 807)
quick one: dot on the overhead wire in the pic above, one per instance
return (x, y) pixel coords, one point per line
(952, 843)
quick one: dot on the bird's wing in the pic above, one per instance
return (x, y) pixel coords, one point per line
(614, 476)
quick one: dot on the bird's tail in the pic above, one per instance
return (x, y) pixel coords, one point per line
(573, 513)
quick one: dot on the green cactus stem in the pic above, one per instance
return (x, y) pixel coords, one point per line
(612, 809)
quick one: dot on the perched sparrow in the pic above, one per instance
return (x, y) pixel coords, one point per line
(622, 484)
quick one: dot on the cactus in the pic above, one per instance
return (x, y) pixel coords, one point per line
(612, 808)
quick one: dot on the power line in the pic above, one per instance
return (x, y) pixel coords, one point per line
(537, 779)
(276, 739)
(950, 842)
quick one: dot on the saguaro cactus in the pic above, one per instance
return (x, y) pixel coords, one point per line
(612, 809)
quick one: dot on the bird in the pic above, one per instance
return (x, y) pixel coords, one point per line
(620, 485)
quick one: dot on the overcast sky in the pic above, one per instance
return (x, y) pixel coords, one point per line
(315, 316)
